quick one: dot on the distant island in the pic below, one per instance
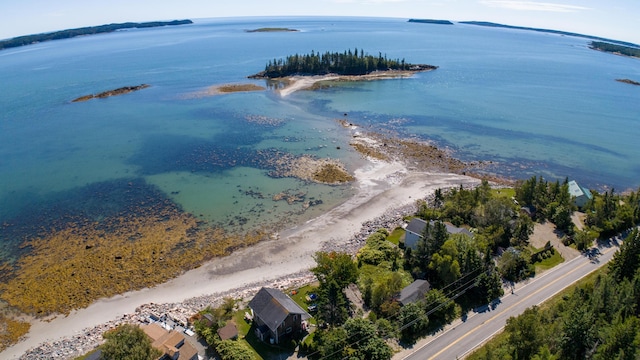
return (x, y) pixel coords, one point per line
(431, 21)
(92, 30)
(351, 63)
(615, 49)
(272, 29)
(109, 93)
(558, 32)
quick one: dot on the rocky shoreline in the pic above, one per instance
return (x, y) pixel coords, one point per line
(109, 93)
(90, 338)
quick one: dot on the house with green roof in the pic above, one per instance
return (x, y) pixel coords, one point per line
(579, 194)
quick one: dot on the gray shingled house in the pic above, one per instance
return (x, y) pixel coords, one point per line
(414, 292)
(416, 227)
(276, 315)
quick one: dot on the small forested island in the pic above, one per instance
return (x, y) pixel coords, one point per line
(615, 49)
(91, 30)
(272, 29)
(346, 63)
(431, 21)
(109, 93)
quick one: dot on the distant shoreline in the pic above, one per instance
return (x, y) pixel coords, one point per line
(557, 32)
(90, 30)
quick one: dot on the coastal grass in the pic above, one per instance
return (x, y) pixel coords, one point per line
(332, 174)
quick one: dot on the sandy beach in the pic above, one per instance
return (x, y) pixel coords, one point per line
(382, 188)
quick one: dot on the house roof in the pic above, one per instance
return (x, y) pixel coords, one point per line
(229, 331)
(417, 225)
(273, 306)
(170, 342)
(414, 292)
(577, 190)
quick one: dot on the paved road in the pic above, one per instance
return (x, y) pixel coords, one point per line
(460, 338)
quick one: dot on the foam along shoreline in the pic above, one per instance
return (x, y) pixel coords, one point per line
(295, 83)
(381, 188)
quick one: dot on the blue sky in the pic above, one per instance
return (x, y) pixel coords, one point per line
(616, 19)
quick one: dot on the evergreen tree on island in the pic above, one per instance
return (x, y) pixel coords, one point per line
(349, 62)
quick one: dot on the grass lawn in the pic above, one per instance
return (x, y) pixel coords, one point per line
(301, 297)
(380, 272)
(549, 262)
(396, 235)
(506, 192)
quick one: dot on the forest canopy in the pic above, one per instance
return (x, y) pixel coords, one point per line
(616, 49)
(355, 62)
(91, 30)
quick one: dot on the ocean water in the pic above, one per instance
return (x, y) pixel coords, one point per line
(533, 103)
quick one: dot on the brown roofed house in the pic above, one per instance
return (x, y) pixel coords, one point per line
(171, 343)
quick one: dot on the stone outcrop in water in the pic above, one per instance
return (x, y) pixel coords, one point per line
(629, 81)
(109, 93)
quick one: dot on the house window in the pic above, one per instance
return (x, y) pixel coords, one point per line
(289, 330)
(295, 317)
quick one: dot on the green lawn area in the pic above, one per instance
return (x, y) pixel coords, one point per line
(380, 272)
(548, 263)
(396, 235)
(301, 298)
(506, 192)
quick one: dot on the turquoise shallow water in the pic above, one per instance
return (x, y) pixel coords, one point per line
(534, 103)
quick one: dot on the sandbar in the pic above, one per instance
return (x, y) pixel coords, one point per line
(296, 83)
(223, 89)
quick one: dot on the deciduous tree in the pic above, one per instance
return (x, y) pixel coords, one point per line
(128, 342)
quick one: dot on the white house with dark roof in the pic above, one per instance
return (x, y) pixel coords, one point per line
(416, 226)
(579, 194)
(276, 315)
